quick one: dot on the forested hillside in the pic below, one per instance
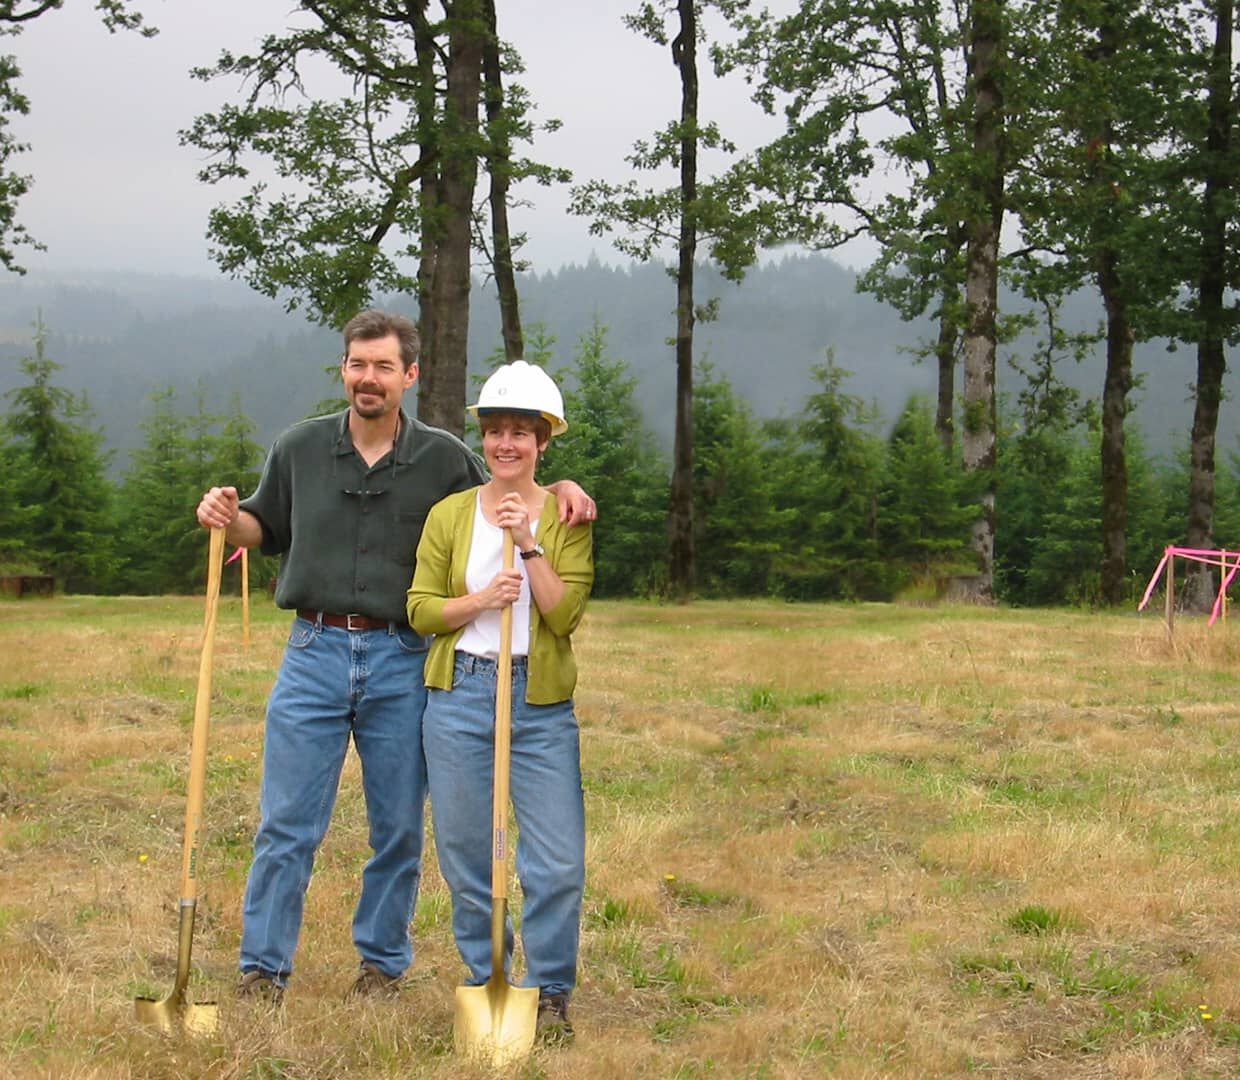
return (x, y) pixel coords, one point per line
(121, 337)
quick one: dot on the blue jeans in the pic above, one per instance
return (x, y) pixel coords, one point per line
(333, 684)
(459, 735)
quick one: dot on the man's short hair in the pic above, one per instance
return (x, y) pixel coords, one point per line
(373, 324)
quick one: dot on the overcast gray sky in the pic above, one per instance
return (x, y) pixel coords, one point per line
(113, 189)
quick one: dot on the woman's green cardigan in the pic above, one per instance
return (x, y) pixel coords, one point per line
(439, 574)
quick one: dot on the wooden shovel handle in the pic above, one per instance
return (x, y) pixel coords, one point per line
(202, 720)
(503, 744)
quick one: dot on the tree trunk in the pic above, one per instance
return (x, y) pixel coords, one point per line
(499, 161)
(1114, 571)
(982, 275)
(1211, 358)
(1118, 380)
(442, 400)
(682, 562)
(945, 354)
(424, 44)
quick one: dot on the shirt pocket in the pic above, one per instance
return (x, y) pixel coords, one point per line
(406, 531)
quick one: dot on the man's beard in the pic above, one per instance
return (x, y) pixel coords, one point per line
(369, 410)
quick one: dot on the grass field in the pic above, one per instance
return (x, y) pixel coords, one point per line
(857, 841)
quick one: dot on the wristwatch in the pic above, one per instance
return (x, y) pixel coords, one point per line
(536, 552)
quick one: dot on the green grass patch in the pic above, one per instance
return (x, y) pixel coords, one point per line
(162, 776)
(1035, 919)
(1156, 1017)
(767, 699)
(653, 783)
(31, 835)
(609, 913)
(758, 699)
(691, 894)
(434, 910)
(991, 973)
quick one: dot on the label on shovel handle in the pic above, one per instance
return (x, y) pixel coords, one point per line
(501, 848)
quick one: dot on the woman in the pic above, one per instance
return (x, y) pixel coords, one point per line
(459, 589)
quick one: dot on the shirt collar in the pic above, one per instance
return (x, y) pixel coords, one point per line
(404, 440)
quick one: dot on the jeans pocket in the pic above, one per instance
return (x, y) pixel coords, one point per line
(458, 672)
(409, 641)
(301, 634)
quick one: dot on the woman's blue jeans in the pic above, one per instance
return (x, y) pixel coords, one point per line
(459, 735)
(335, 684)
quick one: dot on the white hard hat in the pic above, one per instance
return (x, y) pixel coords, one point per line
(522, 387)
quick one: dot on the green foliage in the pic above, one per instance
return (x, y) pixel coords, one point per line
(56, 477)
(608, 451)
(158, 495)
(1100, 117)
(924, 507)
(720, 211)
(1049, 542)
(1032, 462)
(737, 528)
(826, 469)
(16, 519)
(349, 223)
(181, 457)
(830, 67)
(1064, 560)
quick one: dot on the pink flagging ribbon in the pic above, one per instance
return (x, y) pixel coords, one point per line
(1222, 591)
(234, 556)
(1211, 556)
(1154, 580)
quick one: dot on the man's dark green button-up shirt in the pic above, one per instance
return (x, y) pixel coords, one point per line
(348, 532)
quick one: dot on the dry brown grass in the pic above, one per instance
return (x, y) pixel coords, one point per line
(869, 841)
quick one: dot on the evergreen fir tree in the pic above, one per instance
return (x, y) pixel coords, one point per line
(165, 550)
(924, 513)
(736, 541)
(15, 519)
(236, 460)
(610, 453)
(59, 470)
(829, 547)
(1064, 560)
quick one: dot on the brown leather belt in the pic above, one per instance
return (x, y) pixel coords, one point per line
(345, 622)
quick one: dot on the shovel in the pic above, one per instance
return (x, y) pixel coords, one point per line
(498, 1021)
(174, 1012)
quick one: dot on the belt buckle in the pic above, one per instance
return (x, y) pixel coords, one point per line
(348, 622)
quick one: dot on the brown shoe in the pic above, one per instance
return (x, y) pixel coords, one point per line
(373, 983)
(553, 1028)
(259, 987)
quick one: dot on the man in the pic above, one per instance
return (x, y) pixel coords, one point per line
(342, 499)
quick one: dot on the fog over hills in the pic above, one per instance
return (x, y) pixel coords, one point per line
(120, 336)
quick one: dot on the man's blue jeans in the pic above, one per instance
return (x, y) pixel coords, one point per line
(333, 684)
(459, 735)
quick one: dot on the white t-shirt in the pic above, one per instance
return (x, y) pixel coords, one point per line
(486, 559)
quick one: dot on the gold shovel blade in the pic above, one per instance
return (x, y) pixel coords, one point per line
(496, 1022)
(173, 1014)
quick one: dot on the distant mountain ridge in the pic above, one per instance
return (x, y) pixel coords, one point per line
(121, 335)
